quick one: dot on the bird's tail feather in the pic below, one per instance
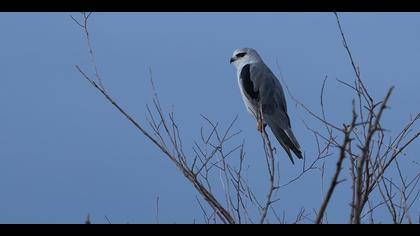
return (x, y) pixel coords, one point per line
(296, 145)
(288, 141)
(287, 151)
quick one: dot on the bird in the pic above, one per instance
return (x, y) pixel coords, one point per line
(264, 98)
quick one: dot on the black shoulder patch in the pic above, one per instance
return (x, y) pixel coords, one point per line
(247, 82)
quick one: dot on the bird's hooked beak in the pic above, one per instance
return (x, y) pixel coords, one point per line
(232, 59)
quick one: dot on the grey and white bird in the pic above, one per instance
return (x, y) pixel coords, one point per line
(264, 98)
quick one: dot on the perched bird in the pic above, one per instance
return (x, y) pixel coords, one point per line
(264, 98)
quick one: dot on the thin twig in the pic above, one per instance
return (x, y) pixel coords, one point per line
(346, 142)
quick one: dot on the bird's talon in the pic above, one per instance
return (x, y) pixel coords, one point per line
(260, 127)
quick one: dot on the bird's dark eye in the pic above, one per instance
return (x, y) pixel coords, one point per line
(241, 54)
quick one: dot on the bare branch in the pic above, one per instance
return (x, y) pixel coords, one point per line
(346, 142)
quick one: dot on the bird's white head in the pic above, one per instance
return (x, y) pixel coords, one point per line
(243, 56)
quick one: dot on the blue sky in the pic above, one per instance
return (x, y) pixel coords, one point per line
(66, 152)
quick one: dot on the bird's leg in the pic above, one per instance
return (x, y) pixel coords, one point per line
(260, 126)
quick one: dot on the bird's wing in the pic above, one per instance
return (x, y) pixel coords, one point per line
(271, 96)
(249, 89)
(257, 77)
(270, 92)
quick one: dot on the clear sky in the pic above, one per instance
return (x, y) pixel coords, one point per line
(66, 152)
